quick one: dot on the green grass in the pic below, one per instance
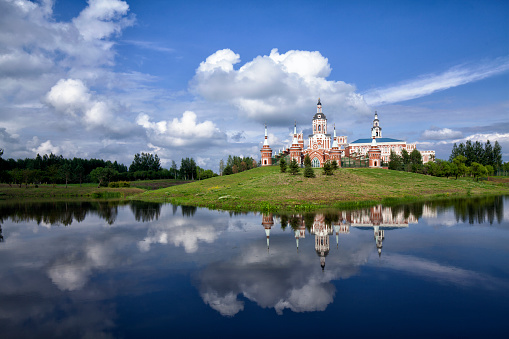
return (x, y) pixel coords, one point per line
(86, 191)
(264, 188)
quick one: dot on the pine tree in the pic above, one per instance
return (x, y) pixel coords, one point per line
(309, 172)
(294, 167)
(307, 160)
(497, 155)
(327, 168)
(334, 165)
(282, 165)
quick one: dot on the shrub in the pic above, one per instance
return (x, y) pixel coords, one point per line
(118, 184)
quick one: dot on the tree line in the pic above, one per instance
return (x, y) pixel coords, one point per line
(472, 159)
(55, 169)
(235, 164)
(476, 152)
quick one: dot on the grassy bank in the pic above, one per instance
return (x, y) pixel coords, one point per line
(265, 188)
(87, 191)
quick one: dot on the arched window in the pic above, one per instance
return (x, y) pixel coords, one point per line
(319, 128)
(315, 162)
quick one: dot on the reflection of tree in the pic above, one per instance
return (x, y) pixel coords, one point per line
(188, 211)
(474, 210)
(284, 221)
(65, 213)
(413, 209)
(309, 219)
(145, 211)
(1, 236)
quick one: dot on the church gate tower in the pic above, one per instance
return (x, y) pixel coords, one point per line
(266, 151)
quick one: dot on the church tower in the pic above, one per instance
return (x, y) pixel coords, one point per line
(374, 154)
(266, 151)
(319, 120)
(376, 130)
(335, 152)
(295, 149)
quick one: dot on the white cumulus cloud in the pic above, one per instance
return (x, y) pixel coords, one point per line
(186, 131)
(73, 97)
(102, 18)
(276, 88)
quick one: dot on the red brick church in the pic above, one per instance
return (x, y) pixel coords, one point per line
(320, 150)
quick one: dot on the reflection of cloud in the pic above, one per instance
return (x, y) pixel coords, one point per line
(73, 272)
(227, 305)
(292, 281)
(314, 296)
(69, 277)
(442, 273)
(184, 232)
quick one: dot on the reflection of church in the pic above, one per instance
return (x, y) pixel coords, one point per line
(377, 218)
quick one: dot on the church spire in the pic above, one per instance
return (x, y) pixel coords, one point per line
(266, 141)
(334, 141)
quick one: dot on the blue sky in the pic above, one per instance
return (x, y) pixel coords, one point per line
(110, 78)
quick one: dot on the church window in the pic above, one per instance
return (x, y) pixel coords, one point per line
(315, 162)
(319, 128)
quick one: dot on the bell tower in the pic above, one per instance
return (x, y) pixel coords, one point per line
(376, 130)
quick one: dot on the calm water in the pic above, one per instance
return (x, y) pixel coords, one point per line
(145, 270)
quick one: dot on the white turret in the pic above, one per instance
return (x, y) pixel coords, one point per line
(295, 140)
(266, 141)
(334, 141)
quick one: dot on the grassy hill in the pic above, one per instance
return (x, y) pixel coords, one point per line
(264, 188)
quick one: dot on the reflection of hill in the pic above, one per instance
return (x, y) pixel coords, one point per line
(64, 213)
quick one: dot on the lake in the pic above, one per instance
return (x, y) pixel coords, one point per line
(131, 270)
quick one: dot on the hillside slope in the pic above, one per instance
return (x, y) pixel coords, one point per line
(265, 188)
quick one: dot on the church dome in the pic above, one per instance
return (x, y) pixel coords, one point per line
(319, 116)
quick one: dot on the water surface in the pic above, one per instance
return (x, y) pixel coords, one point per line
(149, 270)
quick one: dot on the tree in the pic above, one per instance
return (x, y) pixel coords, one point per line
(102, 175)
(405, 157)
(327, 168)
(221, 166)
(461, 168)
(497, 155)
(307, 160)
(395, 161)
(294, 167)
(227, 170)
(489, 170)
(188, 169)
(174, 169)
(334, 165)
(52, 173)
(79, 171)
(282, 165)
(145, 162)
(308, 170)
(65, 172)
(478, 170)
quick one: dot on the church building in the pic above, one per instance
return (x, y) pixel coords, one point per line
(321, 147)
